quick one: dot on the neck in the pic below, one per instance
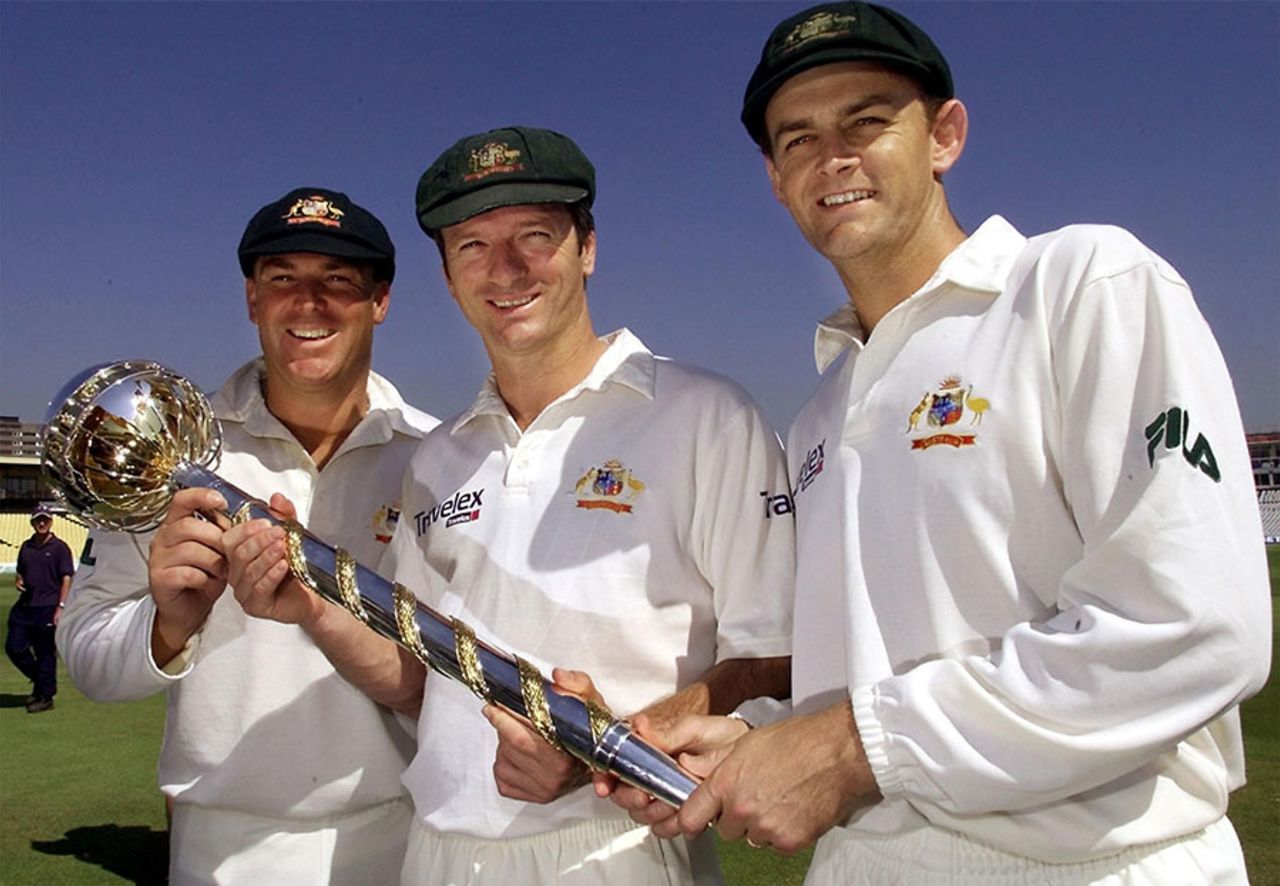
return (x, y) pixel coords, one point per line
(530, 382)
(320, 419)
(877, 284)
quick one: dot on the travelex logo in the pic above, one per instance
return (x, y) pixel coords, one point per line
(464, 507)
(776, 505)
(811, 467)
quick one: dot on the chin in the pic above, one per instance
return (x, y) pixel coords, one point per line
(310, 372)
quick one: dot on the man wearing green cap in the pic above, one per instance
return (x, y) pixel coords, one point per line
(1031, 590)
(596, 507)
(277, 770)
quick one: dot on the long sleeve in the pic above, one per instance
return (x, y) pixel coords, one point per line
(1160, 625)
(104, 635)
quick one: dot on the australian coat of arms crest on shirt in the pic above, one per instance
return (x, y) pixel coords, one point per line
(947, 415)
(611, 486)
(384, 522)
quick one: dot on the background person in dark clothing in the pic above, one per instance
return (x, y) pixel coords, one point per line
(44, 578)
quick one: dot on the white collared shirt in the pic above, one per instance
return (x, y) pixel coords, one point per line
(1049, 600)
(634, 530)
(258, 721)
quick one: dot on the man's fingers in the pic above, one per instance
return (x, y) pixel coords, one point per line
(250, 542)
(175, 533)
(605, 784)
(527, 768)
(576, 683)
(692, 734)
(261, 588)
(701, 809)
(235, 539)
(188, 502)
(512, 731)
(701, 765)
(195, 556)
(282, 507)
(262, 578)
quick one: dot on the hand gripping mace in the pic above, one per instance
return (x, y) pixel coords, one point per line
(121, 438)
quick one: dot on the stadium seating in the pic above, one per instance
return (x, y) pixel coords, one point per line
(1269, 505)
(16, 528)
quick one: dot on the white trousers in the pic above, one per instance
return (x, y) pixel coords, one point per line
(587, 853)
(936, 857)
(223, 846)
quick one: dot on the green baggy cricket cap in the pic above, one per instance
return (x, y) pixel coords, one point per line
(321, 221)
(842, 32)
(503, 167)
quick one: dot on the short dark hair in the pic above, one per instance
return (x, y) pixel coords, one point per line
(382, 271)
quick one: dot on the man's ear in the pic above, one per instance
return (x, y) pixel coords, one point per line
(589, 255)
(448, 281)
(774, 182)
(381, 302)
(950, 129)
(251, 300)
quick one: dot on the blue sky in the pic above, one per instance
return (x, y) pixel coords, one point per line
(136, 139)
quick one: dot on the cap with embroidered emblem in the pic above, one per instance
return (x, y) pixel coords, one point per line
(321, 221)
(503, 167)
(842, 32)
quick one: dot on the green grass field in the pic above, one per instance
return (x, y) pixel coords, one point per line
(79, 806)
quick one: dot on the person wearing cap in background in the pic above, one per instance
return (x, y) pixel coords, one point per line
(278, 769)
(44, 571)
(596, 507)
(1031, 589)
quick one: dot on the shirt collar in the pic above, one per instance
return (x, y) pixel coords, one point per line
(241, 400)
(981, 263)
(626, 361)
(837, 331)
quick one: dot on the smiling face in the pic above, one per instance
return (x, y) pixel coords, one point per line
(315, 316)
(857, 159)
(519, 275)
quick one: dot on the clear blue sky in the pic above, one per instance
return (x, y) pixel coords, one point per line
(136, 139)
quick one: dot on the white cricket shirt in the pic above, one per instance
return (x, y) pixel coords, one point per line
(1029, 550)
(634, 531)
(258, 720)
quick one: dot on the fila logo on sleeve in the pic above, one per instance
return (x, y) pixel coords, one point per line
(1172, 430)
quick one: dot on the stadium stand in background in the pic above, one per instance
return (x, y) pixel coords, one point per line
(1264, 453)
(1269, 504)
(22, 487)
(16, 528)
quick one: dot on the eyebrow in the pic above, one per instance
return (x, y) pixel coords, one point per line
(848, 110)
(330, 264)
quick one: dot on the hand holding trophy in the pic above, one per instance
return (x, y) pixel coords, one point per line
(121, 438)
